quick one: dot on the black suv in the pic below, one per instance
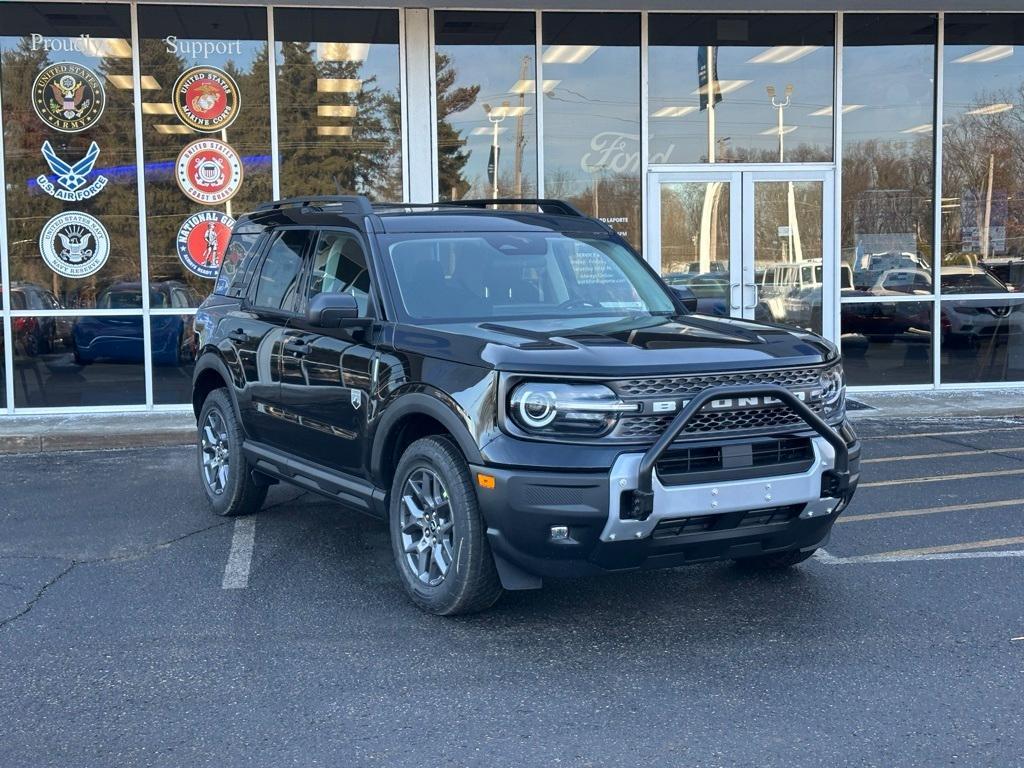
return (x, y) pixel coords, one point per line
(515, 391)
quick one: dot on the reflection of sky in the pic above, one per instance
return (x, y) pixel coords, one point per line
(743, 115)
(971, 85)
(895, 85)
(495, 68)
(600, 95)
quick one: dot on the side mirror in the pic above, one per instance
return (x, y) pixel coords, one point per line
(685, 297)
(332, 310)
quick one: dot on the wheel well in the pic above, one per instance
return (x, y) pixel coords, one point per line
(406, 432)
(207, 381)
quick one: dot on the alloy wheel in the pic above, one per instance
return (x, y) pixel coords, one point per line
(426, 520)
(216, 452)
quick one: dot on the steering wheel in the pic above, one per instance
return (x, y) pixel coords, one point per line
(577, 303)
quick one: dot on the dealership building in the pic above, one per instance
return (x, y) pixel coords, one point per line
(857, 170)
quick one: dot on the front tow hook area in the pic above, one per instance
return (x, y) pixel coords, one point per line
(838, 478)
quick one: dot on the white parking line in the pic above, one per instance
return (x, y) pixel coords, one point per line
(946, 455)
(827, 559)
(236, 572)
(942, 478)
(931, 510)
(947, 433)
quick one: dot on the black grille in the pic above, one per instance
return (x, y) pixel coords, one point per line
(688, 386)
(685, 526)
(642, 427)
(682, 465)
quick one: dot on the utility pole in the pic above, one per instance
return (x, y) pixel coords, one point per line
(524, 69)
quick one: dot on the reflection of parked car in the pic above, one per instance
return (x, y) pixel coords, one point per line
(120, 338)
(867, 269)
(711, 291)
(972, 320)
(41, 334)
(791, 292)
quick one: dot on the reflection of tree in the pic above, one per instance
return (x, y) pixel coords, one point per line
(29, 208)
(451, 153)
(366, 162)
(612, 197)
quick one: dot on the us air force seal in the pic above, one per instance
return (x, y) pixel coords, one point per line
(68, 97)
(209, 171)
(74, 244)
(206, 99)
(202, 239)
(70, 182)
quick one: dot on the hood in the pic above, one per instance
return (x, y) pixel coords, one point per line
(629, 346)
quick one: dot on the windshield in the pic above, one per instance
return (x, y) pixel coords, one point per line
(501, 275)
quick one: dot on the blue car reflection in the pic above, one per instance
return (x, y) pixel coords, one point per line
(118, 338)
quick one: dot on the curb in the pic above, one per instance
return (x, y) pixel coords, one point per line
(94, 441)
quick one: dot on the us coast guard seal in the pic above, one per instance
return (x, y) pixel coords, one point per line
(201, 242)
(206, 99)
(68, 97)
(209, 171)
(74, 244)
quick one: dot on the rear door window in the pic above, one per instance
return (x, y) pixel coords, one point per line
(281, 274)
(238, 263)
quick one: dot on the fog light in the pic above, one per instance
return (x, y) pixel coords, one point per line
(559, 532)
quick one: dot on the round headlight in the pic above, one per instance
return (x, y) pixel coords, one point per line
(535, 407)
(832, 387)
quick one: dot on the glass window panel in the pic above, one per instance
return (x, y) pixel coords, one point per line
(278, 283)
(206, 133)
(982, 161)
(790, 53)
(888, 155)
(78, 361)
(69, 149)
(695, 241)
(173, 356)
(983, 340)
(592, 115)
(486, 99)
(887, 343)
(339, 116)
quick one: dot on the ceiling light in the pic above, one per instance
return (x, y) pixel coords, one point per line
(157, 108)
(782, 54)
(530, 86)
(923, 128)
(481, 131)
(172, 129)
(827, 111)
(111, 47)
(991, 109)
(985, 55)
(338, 84)
(775, 131)
(342, 51)
(334, 130)
(674, 111)
(505, 111)
(724, 86)
(568, 54)
(336, 110)
(125, 82)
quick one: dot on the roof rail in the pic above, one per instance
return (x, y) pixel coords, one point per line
(360, 204)
(546, 205)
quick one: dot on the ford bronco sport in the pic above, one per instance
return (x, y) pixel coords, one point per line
(515, 391)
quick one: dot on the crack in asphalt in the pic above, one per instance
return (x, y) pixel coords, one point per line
(38, 596)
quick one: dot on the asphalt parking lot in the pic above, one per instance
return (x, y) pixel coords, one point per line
(136, 629)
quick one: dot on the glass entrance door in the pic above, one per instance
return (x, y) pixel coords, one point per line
(749, 244)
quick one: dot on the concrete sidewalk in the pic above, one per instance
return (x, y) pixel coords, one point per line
(64, 432)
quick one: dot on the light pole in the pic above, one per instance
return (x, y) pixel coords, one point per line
(781, 106)
(495, 116)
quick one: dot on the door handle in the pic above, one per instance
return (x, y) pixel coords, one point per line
(238, 335)
(297, 346)
(732, 295)
(753, 286)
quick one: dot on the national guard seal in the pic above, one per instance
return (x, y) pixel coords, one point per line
(74, 244)
(202, 240)
(68, 97)
(209, 171)
(206, 99)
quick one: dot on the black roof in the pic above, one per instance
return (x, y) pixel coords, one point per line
(500, 215)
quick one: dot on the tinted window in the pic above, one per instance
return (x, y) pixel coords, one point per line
(340, 267)
(282, 269)
(238, 262)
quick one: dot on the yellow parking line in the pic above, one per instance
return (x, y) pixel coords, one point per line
(941, 455)
(930, 510)
(942, 478)
(943, 434)
(987, 544)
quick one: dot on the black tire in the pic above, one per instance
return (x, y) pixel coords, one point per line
(238, 494)
(471, 582)
(776, 562)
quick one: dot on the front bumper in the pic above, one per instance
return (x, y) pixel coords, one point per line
(609, 529)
